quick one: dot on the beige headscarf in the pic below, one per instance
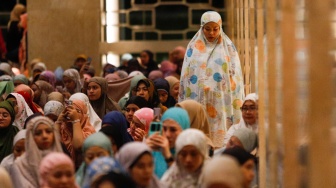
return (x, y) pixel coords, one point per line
(26, 168)
(223, 170)
(197, 115)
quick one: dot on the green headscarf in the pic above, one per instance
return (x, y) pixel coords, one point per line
(6, 87)
(97, 139)
(8, 133)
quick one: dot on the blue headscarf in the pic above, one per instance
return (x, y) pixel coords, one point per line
(179, 115)
(100, 166)
(182, 118)
(116, 128)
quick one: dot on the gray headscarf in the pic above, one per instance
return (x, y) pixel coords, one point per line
(247, 137)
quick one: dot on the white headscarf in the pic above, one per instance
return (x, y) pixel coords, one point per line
(176, 176)
(94, 118)
(24, 111)
(242, 124)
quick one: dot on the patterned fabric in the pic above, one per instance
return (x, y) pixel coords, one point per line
(23, 110)
(100, 166)
(211, 74)
(53, 107)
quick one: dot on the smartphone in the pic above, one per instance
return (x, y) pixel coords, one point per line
(88, 62)
(68, 102)
(155, 127)
(157, 114)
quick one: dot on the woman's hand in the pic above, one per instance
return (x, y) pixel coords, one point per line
(72, 113)
(62, 116)
(138, 134)
(157, 141)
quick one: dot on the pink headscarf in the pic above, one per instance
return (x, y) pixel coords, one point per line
(51, 161)
(146, 116)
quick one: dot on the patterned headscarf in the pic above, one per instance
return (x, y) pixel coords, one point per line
(53, 107)
(24, 110)
(100, 166)
(212, 75)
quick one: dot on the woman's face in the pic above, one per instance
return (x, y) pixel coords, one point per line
(16, 108)
(130, 109)
(142, 91)
(250, 112)
(94, 91)
(44, 136)
(190, 158)
(234, 142)
(175, 91)
(248, 172)
(142, 170)
(19, 148)
(211, 31)
(37, 93)
(69, 84)
(94, 152)
(144, 58)
(5, 118)
(61, 175)
(163, 96)
(136, 123)
(171, 129)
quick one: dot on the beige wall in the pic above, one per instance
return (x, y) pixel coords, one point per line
(59, 30)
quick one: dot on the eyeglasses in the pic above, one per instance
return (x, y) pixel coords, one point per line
(4, 115)
(248, 108)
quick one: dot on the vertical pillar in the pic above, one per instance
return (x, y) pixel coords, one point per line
(290, 94)
(60, 30)
(320, 95)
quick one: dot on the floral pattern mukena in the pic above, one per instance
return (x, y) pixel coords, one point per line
(211, 74)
